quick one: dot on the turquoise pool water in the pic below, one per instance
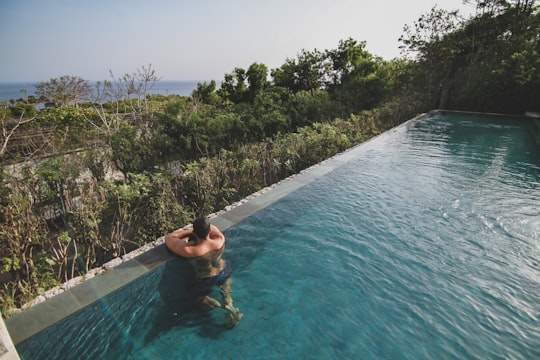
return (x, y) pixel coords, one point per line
(427, 245)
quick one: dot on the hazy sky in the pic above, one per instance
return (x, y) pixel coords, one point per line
(190, 39)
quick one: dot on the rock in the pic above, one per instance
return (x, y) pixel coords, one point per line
(130, 255)
(72, 282)
(37, 300)
(12, 312)
(53, 292)
(93, 272)
(114, 262)
(159, 241)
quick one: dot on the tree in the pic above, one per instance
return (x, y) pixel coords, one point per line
(305, 73)
(308, 107)
(257, 79)
(269, 110)
(354, 80)
(489, 62)
(65, 90)
(8, 129)
(233, 88)
(205, 93)
(147, 77)
(503, 69)
(499, 6)
(131, 90)
(427, 31)
(405, 88)
(131, 152)
(437, 45)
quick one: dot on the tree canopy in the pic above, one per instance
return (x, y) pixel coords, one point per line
(64, 90)
(489, 62)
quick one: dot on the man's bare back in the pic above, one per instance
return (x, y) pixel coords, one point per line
(203, 247)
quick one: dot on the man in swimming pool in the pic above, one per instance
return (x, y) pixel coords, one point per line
(203, 247)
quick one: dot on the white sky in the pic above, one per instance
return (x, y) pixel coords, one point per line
(190, 39)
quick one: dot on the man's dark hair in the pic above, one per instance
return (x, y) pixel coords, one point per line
(201, 227)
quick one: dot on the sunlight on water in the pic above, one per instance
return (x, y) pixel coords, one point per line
(426, 246)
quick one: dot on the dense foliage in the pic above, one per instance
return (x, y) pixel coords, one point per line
(489, 63)
(95, 174)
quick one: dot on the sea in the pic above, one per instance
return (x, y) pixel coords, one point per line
(18, 90)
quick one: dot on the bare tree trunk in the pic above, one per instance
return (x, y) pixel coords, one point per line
(8, 133)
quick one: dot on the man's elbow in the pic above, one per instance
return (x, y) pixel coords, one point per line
(168, 240)
(171, 243)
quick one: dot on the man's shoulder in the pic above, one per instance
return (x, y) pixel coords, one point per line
(217, 243)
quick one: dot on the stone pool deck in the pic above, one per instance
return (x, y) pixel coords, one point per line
(7, 348)
(74, 295)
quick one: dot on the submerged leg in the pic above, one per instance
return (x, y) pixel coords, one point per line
(233, 315)
(226, 292)
(208, 303)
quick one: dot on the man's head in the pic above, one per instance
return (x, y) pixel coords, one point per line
(201, 227)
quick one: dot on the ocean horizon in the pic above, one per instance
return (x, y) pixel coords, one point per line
(23, 89)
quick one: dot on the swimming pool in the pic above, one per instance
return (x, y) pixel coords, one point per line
(425, 244)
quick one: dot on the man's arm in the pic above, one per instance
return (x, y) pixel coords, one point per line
(178, 242)
(215, 233)
(178, 236)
